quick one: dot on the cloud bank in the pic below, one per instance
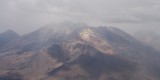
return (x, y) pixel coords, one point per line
(28, 15)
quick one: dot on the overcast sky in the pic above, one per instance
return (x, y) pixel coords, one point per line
(24, 16)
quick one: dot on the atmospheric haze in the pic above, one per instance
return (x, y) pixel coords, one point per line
(24, 16)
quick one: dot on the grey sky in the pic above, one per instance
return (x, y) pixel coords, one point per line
(25, 16)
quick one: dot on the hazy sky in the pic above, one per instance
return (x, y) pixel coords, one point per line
(25, 16)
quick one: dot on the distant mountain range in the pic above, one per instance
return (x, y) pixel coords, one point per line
(75, 51)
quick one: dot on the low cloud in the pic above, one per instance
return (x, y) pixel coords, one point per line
(28, 15)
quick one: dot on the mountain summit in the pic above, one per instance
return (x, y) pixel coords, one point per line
(71, 51)
(7, 37)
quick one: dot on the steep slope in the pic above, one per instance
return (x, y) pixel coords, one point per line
(91, 63)
(70, 51)
(103, 57)
(44, 37)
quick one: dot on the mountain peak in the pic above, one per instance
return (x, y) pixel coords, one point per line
(7, 37)
(60, 28)
(86, 34)
(73, 51)
(9, 32)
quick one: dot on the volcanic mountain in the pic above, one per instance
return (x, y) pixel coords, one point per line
(74, 51)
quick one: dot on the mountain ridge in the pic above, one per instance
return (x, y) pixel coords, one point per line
(80, 53)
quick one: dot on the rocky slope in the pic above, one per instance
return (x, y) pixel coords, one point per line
(70, 51)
